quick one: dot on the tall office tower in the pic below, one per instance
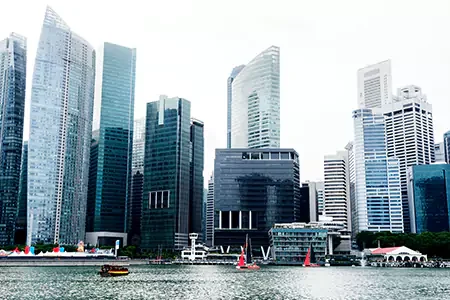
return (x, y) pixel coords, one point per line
(447, 147)
(21, 225)
(13, 67)
(375, 85)
(439, 152)
(196, 177)
(137, 183)
(210, 212)
(254, 189)
(62, 100)
(169, 147)
(377, 195)
(337, 188)
(115, 98)
(409, 134)
(230, 80)
(255, 106)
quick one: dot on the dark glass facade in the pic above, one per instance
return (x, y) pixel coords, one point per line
(429, 197)
(196, 185)
(253, 190)
(13, 63)
(134, 230)
(21, 227)
(92, 183)
(305, 208)
(108, 210)
(167, 169)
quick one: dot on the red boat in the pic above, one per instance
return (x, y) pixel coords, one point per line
(308, 259)
(245, 260)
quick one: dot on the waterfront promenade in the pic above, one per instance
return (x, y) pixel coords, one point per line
(68, 262)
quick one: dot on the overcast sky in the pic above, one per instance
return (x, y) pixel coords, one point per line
(188, 49)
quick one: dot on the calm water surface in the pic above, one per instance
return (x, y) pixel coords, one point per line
(224, 282)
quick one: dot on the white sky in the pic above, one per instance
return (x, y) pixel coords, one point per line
(188, 49)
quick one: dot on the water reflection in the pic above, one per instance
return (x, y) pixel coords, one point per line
(224, 282)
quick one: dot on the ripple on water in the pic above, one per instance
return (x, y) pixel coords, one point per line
(225, 282)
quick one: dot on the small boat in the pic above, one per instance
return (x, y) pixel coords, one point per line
(308, 259)
(245, 260)
(109, 270)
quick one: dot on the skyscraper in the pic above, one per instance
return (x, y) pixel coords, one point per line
(337, 188)
(13, 67)
(230, 80)
(255, 105)
(409, 135)
(137, 182)
(375, 85)
(115, 98)
(62, 99)
(447, 147)
(171, 160)
(210, 212)
(376, 200)
(196, 176)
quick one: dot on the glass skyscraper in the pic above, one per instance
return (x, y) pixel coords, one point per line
(62, 99)
(114, 110)
(429, 197)
(255, 103)
(13, 65)
(173, 180)
(137, 183)
(376, 199)
(230, 80)
(254, 189)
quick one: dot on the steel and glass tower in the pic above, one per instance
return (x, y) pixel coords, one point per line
(255, 105)
(13, 64)
(376, 199)
(173, 180)
(107, 212)
(62, 99)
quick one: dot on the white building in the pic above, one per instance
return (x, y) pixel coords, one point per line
(336, 188)
(375, 180)
(375, 85)
(409, 134)
(255, 105)
(210, 212)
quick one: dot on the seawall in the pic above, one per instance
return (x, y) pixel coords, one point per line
(67, 262)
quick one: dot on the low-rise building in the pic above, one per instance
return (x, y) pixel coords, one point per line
(289, 242)
(398, 254)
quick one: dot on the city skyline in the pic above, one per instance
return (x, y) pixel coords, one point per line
(314, 53)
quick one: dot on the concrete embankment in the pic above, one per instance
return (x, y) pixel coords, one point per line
(67, 262)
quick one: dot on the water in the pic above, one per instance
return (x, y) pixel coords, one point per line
(224, 282)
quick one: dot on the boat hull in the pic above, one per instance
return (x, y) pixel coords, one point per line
(113, 273)
(248, 268)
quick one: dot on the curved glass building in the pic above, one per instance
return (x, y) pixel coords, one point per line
(255, 105)
(62, 99)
